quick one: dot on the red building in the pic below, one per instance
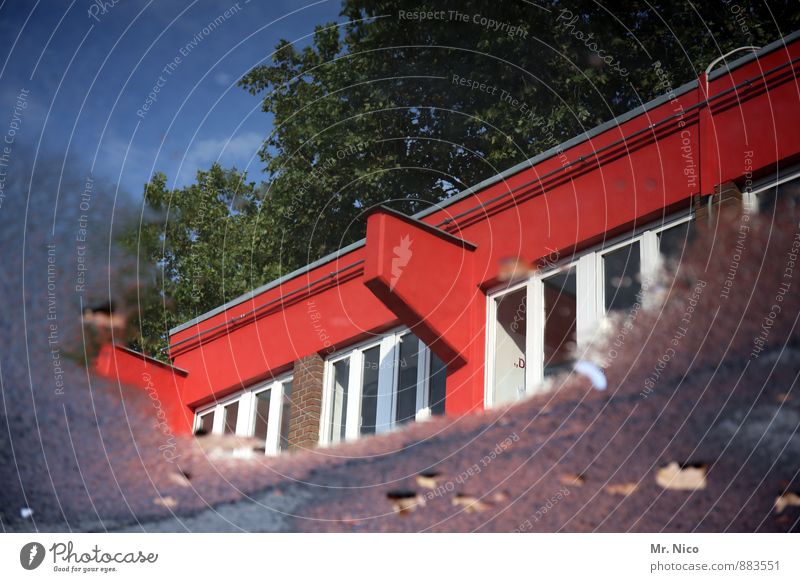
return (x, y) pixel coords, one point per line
(474, 303)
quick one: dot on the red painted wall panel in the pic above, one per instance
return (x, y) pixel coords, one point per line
(270, 344)
(163, 383)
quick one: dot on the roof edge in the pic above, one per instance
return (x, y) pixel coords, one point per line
(502, 176)
(430, 228)
(266, 287)
(150, 359)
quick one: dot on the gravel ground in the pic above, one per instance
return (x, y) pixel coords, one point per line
(573, 459)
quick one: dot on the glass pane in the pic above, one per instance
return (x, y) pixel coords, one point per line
(509, 346)
(369, 391)
(231, 414)
(560, 312)
(341, 379)
(407, 378)
(262, 415)
(206, 424)
(672, 243)
(622, 274)
(437, 385)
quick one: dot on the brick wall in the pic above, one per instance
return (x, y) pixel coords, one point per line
(708, 208)
(306, 403)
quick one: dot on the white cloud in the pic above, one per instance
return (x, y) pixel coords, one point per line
(240, 151)
(223, 79)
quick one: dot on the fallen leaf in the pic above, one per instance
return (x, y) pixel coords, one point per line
(166, 501)
(500, 496)
(786, 500)
(572, 479)
(405, 501)
(428, 480)
(688, 478)
(180, 478)
(470, 504)
(621, 489)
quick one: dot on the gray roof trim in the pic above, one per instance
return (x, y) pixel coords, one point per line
(605, 126)
(151, 359)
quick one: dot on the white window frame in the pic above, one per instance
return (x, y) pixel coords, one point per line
(198, 419)
(788, 175)
(388, 376)
(246, 416)
(751, 198)
(590, 313)
(491, 336)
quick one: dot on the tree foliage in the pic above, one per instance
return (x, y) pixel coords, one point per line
(203, 245)
(374, 111)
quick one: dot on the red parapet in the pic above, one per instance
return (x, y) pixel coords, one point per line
(163, 383)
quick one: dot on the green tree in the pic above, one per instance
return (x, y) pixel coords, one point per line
(201, 246)
(374, 111)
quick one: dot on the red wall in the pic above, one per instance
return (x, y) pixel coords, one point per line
(590, 191)
(163, 382)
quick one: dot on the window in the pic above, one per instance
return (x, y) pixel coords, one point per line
(560, 320)
(380, 385)
(261, 412)
(622, 278)
(262, 415)
(538, 328)
(205, 424)
(786, 189)
(369, 392)
(673, 241)
(231, 412)
(341, 381)
(509, 345)
(408, 385)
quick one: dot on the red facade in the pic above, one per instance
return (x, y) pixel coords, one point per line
(431, 273)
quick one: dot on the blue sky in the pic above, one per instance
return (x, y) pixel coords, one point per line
(90, 66)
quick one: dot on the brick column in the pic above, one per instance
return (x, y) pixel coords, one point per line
(725, 195)
(306, 402)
